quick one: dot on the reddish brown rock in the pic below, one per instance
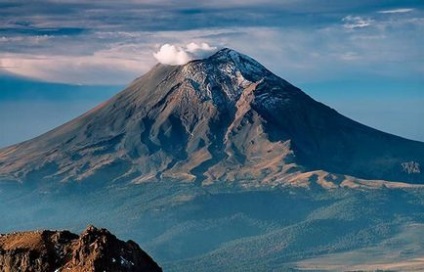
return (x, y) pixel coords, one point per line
(94, 250)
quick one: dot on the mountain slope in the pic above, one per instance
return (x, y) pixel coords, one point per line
(222, 119)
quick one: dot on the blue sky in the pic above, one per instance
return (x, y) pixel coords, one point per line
(363, 58)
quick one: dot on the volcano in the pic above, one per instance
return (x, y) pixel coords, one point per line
(220, 165)
(224, 119)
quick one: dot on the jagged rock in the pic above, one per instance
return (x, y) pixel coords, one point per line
(94, 250)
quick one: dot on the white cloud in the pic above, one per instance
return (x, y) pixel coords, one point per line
(100, 68)
(176, 55)
(349, 56)
(105, 58)
(117, 58)
(352, 22)
(401, 10)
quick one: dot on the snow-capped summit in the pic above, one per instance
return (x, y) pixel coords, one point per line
(225, 118)
(226, 74)
(232, 61)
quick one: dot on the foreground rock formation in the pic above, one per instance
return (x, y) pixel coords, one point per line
(94, 250)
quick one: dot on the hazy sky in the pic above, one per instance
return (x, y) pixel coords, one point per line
(364, 58)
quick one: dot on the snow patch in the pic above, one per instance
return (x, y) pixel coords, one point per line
(411, 167)
(177, 55)
(126, 263)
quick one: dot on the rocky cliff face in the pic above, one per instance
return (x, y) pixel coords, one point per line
(94, 250)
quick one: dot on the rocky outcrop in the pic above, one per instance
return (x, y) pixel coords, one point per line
(94, 250)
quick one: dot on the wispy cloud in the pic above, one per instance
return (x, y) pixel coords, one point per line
(352, 22)
(349, 56)
(400, 10)
(100, 68)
